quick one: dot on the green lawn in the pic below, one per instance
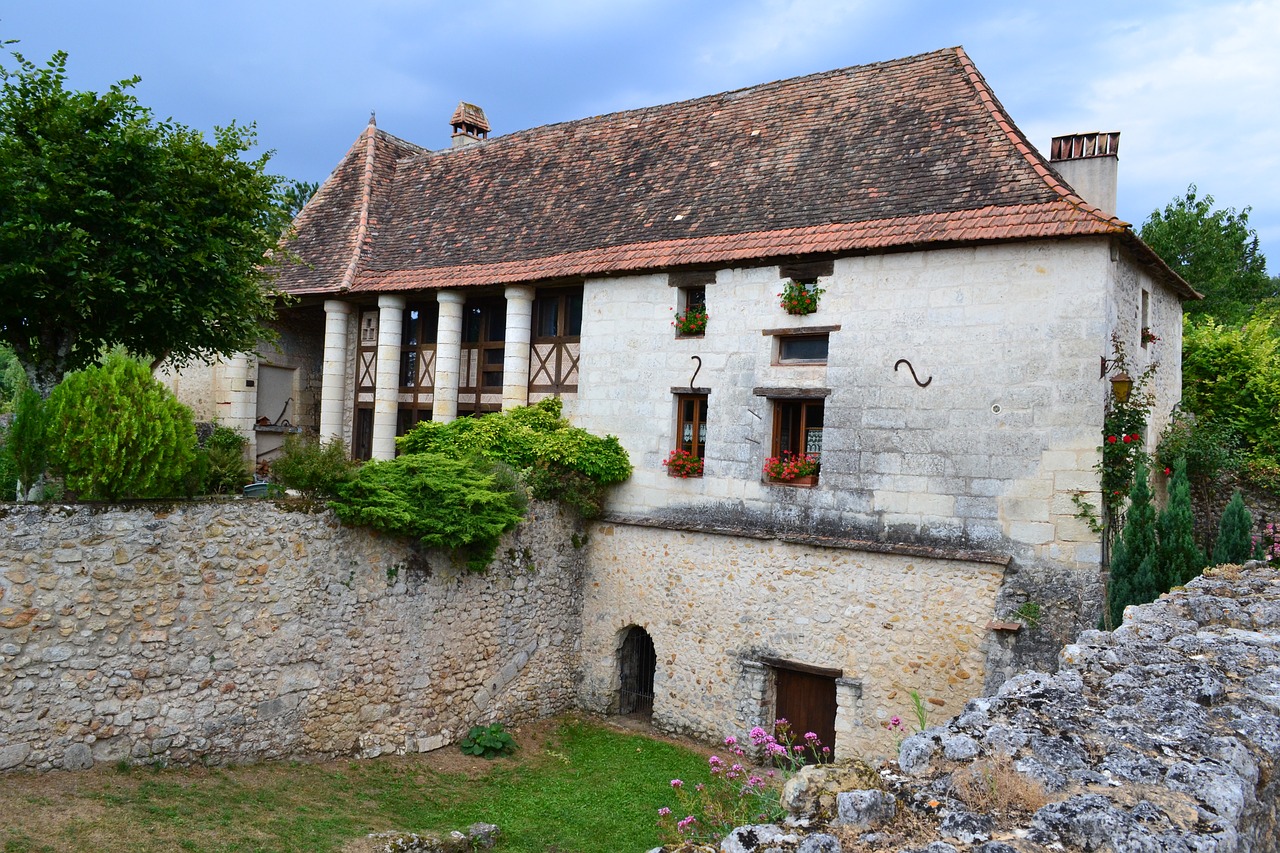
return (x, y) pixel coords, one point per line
(574, 787)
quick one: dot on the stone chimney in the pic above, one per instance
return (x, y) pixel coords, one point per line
(469, 124)
(1089, 162)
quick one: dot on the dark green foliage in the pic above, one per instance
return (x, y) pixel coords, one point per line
(8, 470)
(315, 469)
(1215, 251)
(27, 441)
(440, 501)
(1133, 577)
(1235, 533)
(119, 229)
(1210, 451)
(1178, 560)
(12, 378)
(226, 469)
(557, 460)
(1231, 379)
(488, 741)
(114, 432)
(297, 194)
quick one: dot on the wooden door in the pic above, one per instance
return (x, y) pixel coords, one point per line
(808, 703)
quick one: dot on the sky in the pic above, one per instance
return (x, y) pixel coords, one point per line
(1193, 87)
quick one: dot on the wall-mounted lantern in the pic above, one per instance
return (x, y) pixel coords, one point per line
(1121, 385)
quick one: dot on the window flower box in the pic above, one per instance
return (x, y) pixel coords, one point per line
(793, 469)
(799, 298)
(682, 464)
(691, 323)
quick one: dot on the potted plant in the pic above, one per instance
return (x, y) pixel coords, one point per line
(683, 464)
(800, 298)
(796, 469)
(692, 322)
(1148, 336)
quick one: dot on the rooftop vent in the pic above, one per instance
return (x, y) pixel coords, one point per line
(469, 124)
(1089, 162)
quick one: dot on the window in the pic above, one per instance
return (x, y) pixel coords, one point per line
(556, 344)
(803, 349)
(691, 302)
(797, 428)
(484, 331)
(691, 423)
(1145, 335)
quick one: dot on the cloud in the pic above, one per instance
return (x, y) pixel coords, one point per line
(1194, 93)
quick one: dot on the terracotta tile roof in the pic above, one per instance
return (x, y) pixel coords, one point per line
(910, 153)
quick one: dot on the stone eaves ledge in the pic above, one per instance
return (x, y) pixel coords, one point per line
(795, 538)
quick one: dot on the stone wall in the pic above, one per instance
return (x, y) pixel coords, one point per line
(240, 630)
(718, 605)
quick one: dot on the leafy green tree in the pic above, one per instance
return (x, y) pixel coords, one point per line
(1235, 533)
(28, 443)
(1231, 378)
(12, 378)
(1133, 575)
(1178, 560)
(115, 432)
(442, 502)
(1215, 251)
(297, 194)
(119, 229)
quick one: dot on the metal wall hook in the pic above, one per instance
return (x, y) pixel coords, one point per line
(902, 361)
(694, 377)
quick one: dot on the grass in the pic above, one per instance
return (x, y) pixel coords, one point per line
(574, 787)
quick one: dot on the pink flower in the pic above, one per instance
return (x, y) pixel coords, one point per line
(730, 740)
(810, 736)
(676, 783)
(664, 811)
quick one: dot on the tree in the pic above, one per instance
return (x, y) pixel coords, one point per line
(1235, 533)
(1178, 560)
(1133, 578)
(297, 194)
(1215, 251)
(1231, 378)
(119, 229)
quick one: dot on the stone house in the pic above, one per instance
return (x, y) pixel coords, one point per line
(949, 381)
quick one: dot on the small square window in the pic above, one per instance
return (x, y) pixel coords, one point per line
(691, 316)
(803, 349)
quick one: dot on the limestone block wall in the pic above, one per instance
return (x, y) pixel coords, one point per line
(987, 455)
(715, 605)
(240, 630)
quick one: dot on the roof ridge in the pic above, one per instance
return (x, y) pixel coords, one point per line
(504, 138)
(1026, 149)
(366, 200)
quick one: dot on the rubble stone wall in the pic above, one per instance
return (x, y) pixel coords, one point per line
(242, 630)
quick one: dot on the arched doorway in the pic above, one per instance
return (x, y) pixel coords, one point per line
(637, 663)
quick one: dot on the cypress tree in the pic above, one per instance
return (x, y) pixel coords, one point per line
(1235, 533)
(1178, 560)
(1133, 579)
(115, 432)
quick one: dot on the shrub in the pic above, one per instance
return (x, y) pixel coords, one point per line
(558, 461)
(1178, 560)
(27, 443)
(1133, 579)
(488, 741)
(442, 502)
(313, 468)
(1235, 533)
(115, 432)
(226, 470)
(1210, 450)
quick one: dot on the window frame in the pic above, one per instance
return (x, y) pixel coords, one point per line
(697, 445)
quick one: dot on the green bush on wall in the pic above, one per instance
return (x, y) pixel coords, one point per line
(442, 502)
(115, 432)
(557, 461)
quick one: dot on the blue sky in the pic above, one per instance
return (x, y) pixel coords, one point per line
(1194, 87)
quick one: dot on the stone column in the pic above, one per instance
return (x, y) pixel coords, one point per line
(515, 353)
(852, 738)
(386, 392)
(448, 356)
(333, 379)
